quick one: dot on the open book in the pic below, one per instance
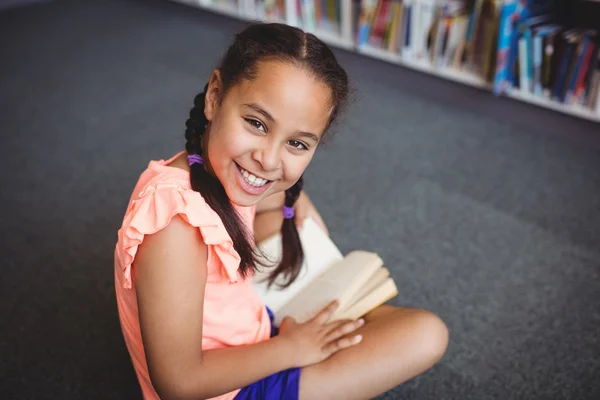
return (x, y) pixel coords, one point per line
(359, 281)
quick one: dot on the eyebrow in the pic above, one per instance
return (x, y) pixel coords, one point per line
(268, 116)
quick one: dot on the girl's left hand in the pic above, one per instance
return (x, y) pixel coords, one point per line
(304, 208)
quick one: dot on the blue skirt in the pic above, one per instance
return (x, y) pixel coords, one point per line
(281, 385)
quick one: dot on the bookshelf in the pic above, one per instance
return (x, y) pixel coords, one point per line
(448, 73)
(341, 27)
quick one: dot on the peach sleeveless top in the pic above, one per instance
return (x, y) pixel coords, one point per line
(234, 315)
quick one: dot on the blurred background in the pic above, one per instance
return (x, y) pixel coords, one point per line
(469, 160)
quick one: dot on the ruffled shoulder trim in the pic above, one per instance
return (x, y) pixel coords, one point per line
(152, 211)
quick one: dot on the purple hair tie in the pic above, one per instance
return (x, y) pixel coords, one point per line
(195, 159)
(288, 212)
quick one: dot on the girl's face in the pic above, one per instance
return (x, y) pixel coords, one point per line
(264, 132)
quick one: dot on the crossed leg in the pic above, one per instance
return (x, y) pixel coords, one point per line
(398, 344)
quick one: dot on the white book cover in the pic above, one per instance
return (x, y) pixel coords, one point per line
(319, 253)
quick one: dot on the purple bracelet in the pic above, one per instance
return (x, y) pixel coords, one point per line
(288, 212)
(195, 159)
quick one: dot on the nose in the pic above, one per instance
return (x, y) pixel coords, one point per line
(268, 155)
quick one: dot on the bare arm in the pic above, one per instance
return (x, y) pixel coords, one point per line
(170, 278)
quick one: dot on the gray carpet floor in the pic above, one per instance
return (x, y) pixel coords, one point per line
(487, 211)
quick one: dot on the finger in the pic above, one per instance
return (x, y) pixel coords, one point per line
(341, 344)
(343, 328)
(287, 321)
(325, 313)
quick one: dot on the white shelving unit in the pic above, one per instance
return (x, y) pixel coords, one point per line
(246, 10)
(575, 110)
(448, 73)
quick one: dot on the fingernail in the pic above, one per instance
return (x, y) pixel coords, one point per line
(361, 322)
(357, 338)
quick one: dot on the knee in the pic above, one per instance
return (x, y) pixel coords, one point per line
(432, 336)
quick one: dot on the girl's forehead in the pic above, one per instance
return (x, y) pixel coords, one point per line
(282, 84)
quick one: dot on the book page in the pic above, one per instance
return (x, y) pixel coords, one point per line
(319, 253)
(341, 281)
(376, 280)
(377, 297)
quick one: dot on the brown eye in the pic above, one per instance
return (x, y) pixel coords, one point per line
(256, 124)
(297, 145)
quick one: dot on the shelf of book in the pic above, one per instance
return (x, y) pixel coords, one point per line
(460, 40)
(448, 73)
(334, 39)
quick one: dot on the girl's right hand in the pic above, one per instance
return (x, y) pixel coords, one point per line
(316, 340)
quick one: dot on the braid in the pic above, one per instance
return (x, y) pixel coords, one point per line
(212, 190)
(293, 254)
(196, 125)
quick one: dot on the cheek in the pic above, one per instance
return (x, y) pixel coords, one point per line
(294, 168)
(227, 140)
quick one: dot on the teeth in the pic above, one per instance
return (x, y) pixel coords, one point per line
(252, 179)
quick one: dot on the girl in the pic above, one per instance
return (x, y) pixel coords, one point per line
(192, 323)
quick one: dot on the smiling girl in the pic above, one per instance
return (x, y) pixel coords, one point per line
(192, 323)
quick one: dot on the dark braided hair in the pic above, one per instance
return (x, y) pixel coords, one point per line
(262, 42)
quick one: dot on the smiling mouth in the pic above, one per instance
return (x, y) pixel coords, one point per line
(252, 179)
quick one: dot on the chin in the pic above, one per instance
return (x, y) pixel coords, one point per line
(244, 200)
(245, 194)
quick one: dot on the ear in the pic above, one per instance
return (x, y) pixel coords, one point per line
(213, 94)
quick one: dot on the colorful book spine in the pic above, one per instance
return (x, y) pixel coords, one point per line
(508, 19)
(557, 90)
(582, 51)
(366, 19)
(539, 39)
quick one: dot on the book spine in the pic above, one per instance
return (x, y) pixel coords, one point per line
(576, 47)
(548, 43)
(491, 36)
(593, 90)
(523, 67)
(407, 51)
(501, 78)
(367, 15)
(530, 67)
(587, 64)
(426, 24)
(591, 75)
(415, 29)
(388, 21)
(582, 51)
(562, 71)
(401, 29)
(537, 65)
(472, 32)
(394, 27)
(378, 24)
(445, 38)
